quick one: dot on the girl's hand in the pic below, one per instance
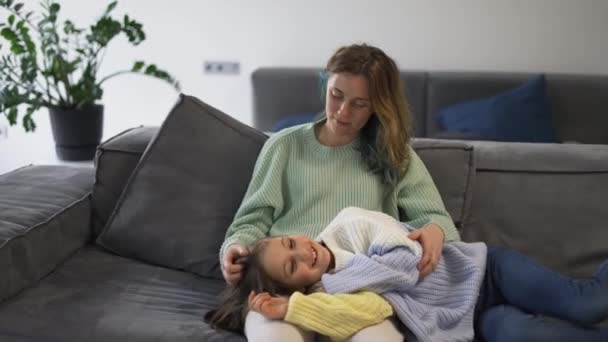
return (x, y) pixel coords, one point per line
(232, 271)
(270, 307)
(431, 238)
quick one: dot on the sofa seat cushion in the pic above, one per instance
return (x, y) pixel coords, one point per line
(185, 191)
(98, 296)
(44, 217)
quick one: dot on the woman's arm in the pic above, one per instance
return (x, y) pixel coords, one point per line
(263, 201)
(418, 196)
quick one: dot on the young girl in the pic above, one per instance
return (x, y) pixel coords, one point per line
(367, 250)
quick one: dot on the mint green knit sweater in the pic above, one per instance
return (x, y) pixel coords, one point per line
(298, 186)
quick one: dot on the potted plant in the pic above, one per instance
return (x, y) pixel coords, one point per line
(45, 63)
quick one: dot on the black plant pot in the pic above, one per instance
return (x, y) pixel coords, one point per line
(77, 132)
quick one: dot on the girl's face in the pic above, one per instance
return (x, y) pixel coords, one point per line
(295, 261)
(347, 104)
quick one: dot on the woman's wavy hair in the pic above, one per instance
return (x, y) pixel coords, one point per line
(232, 310)
(385, 138)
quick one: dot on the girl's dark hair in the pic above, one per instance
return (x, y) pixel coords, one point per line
(233, 307)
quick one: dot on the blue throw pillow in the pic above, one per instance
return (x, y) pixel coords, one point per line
(293, 120)
(521, 114)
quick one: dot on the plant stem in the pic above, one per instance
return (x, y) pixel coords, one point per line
(64, 75)
(115, 74)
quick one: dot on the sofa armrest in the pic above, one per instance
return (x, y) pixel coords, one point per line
(44, 217)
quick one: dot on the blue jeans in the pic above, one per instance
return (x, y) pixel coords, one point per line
(518, 294)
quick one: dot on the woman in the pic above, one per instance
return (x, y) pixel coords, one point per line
(358, 155)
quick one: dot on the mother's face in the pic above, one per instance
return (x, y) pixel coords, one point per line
(347, 104)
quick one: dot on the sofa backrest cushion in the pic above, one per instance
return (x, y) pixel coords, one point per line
(115, 160)
(183, 194)
(580, 107)
(451, 164)
(531, 197)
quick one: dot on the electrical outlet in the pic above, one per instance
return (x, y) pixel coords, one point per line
(3, 131)
(225, 68)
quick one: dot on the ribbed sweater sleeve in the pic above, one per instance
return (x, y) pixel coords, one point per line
(375, 273)
(337, 316)
(419, 198)
(263, 201)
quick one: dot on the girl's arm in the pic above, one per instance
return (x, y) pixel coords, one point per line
(337, 316)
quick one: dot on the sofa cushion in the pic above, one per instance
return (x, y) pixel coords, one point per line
(545, 200)
(451, 164)
(521, 114)
(115, 160)
(100, 297)
(44, 217)
(184, 192)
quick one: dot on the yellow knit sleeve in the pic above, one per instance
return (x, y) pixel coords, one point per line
(337, 316)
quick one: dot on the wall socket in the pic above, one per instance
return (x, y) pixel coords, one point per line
(224, 68)
(3, 131)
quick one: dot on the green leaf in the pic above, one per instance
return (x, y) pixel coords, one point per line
(54, 8)
(18, 7)
(138, 65)
(150, 70)
(11, 115)
(11, 19)
(28, 122)
(9, 35)
(17, 49)
(111, 6)
(133, 30)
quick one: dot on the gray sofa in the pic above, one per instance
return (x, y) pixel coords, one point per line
(58, 284)
(578, 102)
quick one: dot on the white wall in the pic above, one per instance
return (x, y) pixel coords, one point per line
(515, 35)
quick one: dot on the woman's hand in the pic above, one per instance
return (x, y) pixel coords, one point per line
(431, 238)
(270, 307)
(232, 271)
